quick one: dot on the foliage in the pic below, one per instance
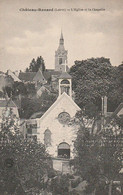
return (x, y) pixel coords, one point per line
(19, 88)
(74, 183)
(30, 106)
(36, 64)
(94, 78)
(23, 163)
(98, 156)
(60, 185)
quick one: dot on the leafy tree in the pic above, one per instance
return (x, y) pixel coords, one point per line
(98, 156)
(94, 78)
(24, 164)
(36, 64)
(30, 88)
(40, 64)
(60, 185)
(19, 88)
(30, 106)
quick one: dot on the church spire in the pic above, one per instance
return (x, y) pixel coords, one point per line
(60, 55)
(61, 39)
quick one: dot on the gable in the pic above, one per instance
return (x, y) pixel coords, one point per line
(15, 78)
(39, 77)
(63, 103)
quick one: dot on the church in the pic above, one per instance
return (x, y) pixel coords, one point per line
(53, 128)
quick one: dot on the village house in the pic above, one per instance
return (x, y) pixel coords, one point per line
(6, 105)
(33, 77)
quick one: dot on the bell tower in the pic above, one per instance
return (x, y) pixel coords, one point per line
(65, 83)
(60, 56)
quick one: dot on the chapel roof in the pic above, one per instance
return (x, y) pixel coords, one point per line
(65, 75)
(49, 72)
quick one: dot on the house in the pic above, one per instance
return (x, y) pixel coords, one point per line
(41, 89)
(6, 105)
(5, 81)
(33, 77)
(13, 75)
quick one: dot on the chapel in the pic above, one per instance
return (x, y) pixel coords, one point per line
(53, 128)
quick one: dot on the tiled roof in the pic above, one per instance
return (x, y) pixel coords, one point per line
(14, 77)
(27, 76)
(44, 87)
(49, 72)
(39, 77)
(5, 103)
(65, 75)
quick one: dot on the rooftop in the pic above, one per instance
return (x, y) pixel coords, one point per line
(7, 103)
(65, 75)
(27, 76)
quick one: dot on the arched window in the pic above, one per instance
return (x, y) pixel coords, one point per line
(65, 81)
(64, 150)
(60, 60)
(47, 137)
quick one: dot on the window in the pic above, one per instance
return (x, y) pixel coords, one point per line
(63, 150)
(64, 118)
(31, 137)
(47, 137)
(65, 89)
(60, 60)
(65, 81)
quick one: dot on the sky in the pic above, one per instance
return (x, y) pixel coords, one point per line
(95, 30)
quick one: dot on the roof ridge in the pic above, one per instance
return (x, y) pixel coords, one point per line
(55, 103)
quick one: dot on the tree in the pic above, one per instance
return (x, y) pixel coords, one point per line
(94, 78)
(19, 88)
(30, 106)
(98, 156)
(40, 64)
(60, 185)
(36, 64)
(23, 163)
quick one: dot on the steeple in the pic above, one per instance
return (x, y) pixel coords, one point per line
(61, 39)
(60, 55)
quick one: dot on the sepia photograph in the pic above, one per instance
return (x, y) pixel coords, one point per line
(61, 97)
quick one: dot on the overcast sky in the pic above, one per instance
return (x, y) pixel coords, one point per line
(28, 34)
